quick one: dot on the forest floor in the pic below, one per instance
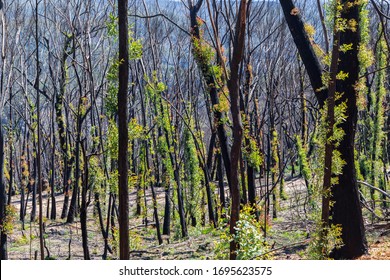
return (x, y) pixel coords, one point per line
(287, 235)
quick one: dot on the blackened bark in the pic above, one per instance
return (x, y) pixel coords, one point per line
(347, 210)
(251, 188)
(210, 204)
(234, 87)
(306, 51)
(3, 201)
(330, 122)
(11, 191)
(167, 209)
(73, 208)
(123, 130)
(34, 186)
(64, 145)
(212, 87)
(244, 193)
(53, 214)
(221, 186)
(84, 207)
(180, 202)
(154, 197)
(176, 173)
(40, 214)
(210, 153)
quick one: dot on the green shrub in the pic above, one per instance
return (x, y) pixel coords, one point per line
(249, 236)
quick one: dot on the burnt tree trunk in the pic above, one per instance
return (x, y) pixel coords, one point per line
(84, 207)
(3, 201)
(123, 130)
(306, 51)
(347, 210)
(211, 84)
(234, 88)
(3, 193)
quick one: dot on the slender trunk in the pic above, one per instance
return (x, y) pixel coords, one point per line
(167, 209)
(3, 200)
(84, 208)
(213, 90)
(41, 243)
(221, 186)
(154, 197)
(274, 159)
(24, 183)
(73, 203)
(244, 193)
(210, 154)
(53, 214)
(306, 51)
(123, 130)
(34, 183)
(11, 160)
(234, 88)
(62, 134)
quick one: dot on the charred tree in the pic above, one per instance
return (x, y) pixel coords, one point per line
(346, 210)
(305, 48)
(3, 200)
(234, 88)
(123, 130)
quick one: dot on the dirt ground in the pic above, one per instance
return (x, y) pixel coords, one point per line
(288, 235)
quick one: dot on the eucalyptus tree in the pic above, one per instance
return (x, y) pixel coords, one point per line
(346, 210)
(3, 193)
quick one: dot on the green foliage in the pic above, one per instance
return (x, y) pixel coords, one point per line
(96, 174)
(204, 56)
(134, 239)
(113, 181)
(249, 236)
(111, 98)
(112, 139)
(341, 75)
(303, 161)
(135, 48)
(346, 47)
(136, 131)
(255, 159)
(323, 241)
(376, 118)
(112, 26)
(10, 216)
(365, 55)
(22, 240)
(192, 174)
(274, 152)
(251, 151)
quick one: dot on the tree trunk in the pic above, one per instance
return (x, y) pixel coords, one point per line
(221, 186)
(329, 145)
(347, 210)
(41, 245)
(83, 208)
(73, 208)
(234, 88)
(123, 130)
(64, 145)
(211, 84)
(53, 214)
(305, 49)
(3, 200)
